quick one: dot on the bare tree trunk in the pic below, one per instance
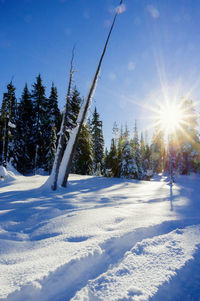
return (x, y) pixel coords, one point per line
(62, 138)
(73, 139)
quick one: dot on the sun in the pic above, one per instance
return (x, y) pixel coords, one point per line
(170, 117)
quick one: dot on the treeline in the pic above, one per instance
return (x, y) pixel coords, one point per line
(179, 153)
(29, 131)
(28, 128)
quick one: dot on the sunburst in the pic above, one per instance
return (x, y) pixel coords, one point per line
(170, 117)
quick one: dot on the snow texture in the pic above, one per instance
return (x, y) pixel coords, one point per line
(100, 239)
(3, 172)
(11, 125)
(8, 174)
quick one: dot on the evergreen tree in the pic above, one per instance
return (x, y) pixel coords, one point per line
(41, 121)
(52, 125)
(128, 167)
(98, 142)
(24, 146)
(137, 154)
(84, 153)
(53, 109)
(143, 153)
(115, 132)
(145, 156)
(119, 153)
(115, 153)
(8, 120)
(112, 160)
(73, 108)
(142, 144)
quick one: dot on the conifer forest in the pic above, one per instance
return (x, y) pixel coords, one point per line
(29, 132)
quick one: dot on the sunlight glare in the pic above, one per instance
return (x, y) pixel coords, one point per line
(170, 117)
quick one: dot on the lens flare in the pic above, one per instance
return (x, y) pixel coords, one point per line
(170, 117)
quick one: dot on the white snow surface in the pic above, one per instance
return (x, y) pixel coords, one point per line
(100, 239)
(3, 171)
(8, 174)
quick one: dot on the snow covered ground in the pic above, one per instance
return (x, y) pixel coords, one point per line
(100, 239)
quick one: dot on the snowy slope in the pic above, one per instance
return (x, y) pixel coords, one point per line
(99, 239)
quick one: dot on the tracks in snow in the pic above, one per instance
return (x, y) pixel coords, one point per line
(73, 276)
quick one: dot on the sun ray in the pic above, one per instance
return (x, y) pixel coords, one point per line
(170, 117)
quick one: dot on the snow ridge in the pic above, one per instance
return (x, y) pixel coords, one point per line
(144, 268)
(116, 256)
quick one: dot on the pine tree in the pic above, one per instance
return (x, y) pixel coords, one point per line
(41, 120)
(24, 161)
(98, 143)
(72, 115)
(128, 167)
(137, 154)
(52, 124)
(120, 141)
(53, 109)
(84, 153)
(115, 132)
(143, 153)
(8, 120)
(145, 156)
(113, 159)
(73, 109)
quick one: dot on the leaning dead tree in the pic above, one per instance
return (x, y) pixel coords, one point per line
(62, 134)
(62, 166)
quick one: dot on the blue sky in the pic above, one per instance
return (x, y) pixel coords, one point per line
(153, 52)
